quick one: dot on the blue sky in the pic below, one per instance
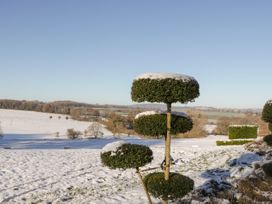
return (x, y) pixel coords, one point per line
(90, 51)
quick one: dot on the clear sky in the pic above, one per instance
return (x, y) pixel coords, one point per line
(90, 51)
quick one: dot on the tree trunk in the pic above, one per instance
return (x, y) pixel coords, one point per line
(167, 146)
(145, 188)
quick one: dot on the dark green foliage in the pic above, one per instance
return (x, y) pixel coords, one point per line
(164, 90)
(242, 132)
(233, 142)
(176, 187)
(155, 125)
(268, 140)
(127, 156)
(267, 112)
(267, 168)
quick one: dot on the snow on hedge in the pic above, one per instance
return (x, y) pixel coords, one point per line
(269, 102)
(146, 113)
(160, 76)
(112, 147)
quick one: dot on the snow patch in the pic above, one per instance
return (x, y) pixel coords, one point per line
(112, 147)
(269, 102)
(146, 113)
(243, 126)
(160, 76)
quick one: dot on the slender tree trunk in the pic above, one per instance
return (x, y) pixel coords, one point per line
(167, 146)
(145, 188)
(168, 143)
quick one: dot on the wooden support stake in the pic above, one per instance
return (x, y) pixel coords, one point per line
(168, 146)
(145, 188)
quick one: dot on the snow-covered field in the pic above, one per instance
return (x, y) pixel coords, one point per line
(29, 122)
(40, 175)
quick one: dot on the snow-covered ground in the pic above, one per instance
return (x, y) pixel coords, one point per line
(38, 175)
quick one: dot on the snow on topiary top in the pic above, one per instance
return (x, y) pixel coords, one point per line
(160, 76)
(146, 113)
(269, 102)
(112, 147)
(166, 88)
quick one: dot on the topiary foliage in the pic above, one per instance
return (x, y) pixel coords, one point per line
(267, 112)
(127, 156)
(155, 125)
(268, 140)
(267, 168)
(176, 187)
(164, 90)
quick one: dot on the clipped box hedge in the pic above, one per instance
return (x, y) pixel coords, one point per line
(233, 142)
(243, 131)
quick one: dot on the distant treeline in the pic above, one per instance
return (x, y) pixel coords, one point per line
(80, 111)
(62, 107)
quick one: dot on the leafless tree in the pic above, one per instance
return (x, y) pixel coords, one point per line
(94, 130)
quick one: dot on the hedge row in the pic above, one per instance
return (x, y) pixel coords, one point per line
(155, 125)
(243, 132)
(233, 142)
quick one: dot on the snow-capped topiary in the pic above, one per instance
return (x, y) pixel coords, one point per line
(166, 88)
(125, 155)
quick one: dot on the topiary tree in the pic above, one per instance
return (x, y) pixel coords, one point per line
(267, 114)
(168, 89)
(125, 156)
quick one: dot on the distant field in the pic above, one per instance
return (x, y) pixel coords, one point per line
(215, 115)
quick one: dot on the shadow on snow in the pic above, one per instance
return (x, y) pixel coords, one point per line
(39, 141)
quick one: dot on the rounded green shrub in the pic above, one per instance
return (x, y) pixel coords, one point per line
(267, 168)
(268, 140)
(127, 156)
(156, 125)
(166, 90)
(267, 112)
(176, 187)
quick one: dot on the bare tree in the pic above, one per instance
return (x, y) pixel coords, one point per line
(94, 130)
